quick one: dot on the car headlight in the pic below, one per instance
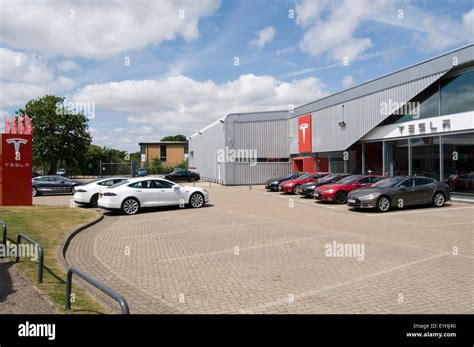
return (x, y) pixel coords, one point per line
(274, 182)
(329, 191)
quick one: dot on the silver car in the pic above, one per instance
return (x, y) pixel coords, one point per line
(400, 191)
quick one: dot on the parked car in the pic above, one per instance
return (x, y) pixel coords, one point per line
(400, 191)
(88, 194)
(182, 175)
(53, 185)
(307, 190)
(61, 172)
(461, 183)
(132, 195)
(292, 186)
(337, 192)
(272, 183)
(141, 172)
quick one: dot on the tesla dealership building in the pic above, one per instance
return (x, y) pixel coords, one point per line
(419, 120)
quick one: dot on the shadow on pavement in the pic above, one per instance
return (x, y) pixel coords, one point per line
(6, 283)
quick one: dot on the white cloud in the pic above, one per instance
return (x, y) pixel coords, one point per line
(347, 82)
(26, 76)
(19, 67)
(468, 22)
(101, 29)
(330, 27)
(264, 36)
(153, 106)
(308, 11)
(67, 65)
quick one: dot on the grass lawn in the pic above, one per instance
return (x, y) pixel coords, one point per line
(49, 225)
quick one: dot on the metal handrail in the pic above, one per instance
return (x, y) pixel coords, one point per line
(4, 232)
(40, 251)
(91, 280)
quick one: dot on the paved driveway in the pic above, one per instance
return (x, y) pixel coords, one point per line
(257, 252)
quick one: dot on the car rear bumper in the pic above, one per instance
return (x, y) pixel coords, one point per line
(108, 204)
(82, 198)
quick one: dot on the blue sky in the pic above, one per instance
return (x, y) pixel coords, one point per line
(181, 73)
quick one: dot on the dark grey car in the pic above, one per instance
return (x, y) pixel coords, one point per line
(400, 191)
(53, 185)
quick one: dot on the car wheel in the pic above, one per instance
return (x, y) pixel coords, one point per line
(34, 191)
(94, 200)
(383, 204)
(295, 189)
(340, 197)
(196, 200)
(439, 199)
(130, 206)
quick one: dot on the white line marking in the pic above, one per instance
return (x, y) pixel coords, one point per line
(230, 251)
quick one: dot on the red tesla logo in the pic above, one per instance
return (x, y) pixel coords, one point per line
(304, 134)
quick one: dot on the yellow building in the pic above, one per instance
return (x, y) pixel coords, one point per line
(170, 153)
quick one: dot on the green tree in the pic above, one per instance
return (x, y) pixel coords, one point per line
(175, 138)
(59, 136)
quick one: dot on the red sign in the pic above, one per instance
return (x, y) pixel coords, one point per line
(304, 134)
(15, 172)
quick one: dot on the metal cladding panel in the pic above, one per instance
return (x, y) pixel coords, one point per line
(293, 125)
(436, 65)
(243, 173)
(204, 148)
(268, 138)
(360, 116)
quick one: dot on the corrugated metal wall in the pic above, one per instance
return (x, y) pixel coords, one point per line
(243, 173)
(203, 149)
(269, 138)
(360, 115)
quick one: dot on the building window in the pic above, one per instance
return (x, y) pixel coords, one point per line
(457, 94)
(458, 162)
(425, 157)
(163, 153)
(373, 158)
(142, 149)
(396, 157)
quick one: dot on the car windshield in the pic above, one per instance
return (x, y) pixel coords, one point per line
(349, 179)
(305, 175)
(388, 182)
(119, 184)
(290, 175)
(327, 178)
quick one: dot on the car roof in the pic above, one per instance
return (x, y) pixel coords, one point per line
(139, 179)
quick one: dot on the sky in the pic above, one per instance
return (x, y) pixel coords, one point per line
(142, 70)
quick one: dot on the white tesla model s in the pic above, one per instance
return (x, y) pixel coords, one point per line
(88, 194)
(131, 195)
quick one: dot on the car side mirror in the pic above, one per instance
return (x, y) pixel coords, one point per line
(176, 186)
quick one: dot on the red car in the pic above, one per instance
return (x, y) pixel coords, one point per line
(337, 192)
(291, 186)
